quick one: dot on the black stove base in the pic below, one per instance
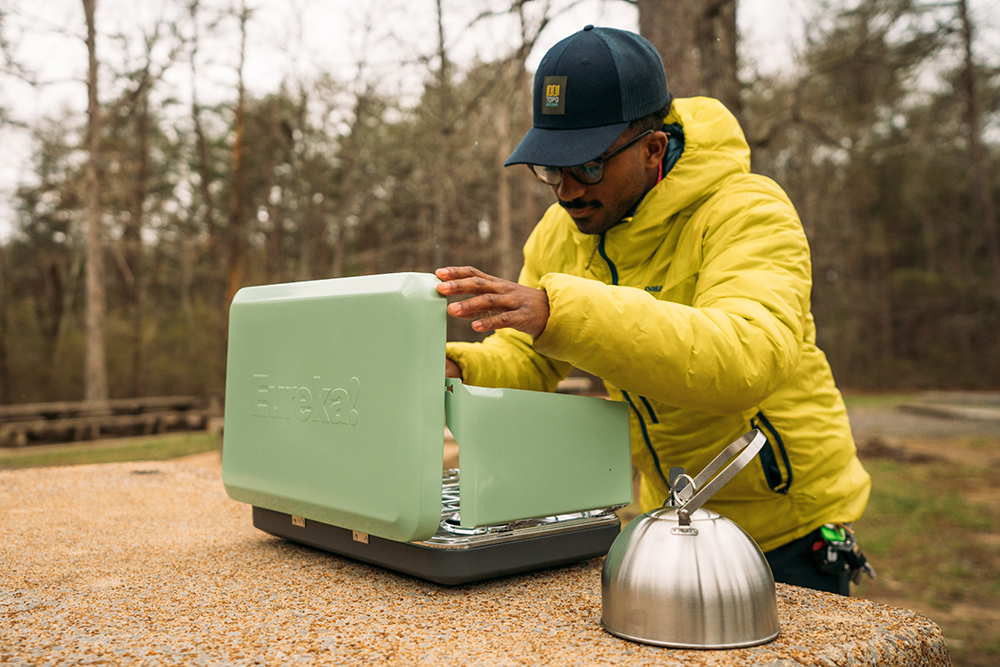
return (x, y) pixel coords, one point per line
(453, 560)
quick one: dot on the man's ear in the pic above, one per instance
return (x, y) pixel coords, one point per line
(657, 148)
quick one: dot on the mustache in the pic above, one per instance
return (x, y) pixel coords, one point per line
(579, 203)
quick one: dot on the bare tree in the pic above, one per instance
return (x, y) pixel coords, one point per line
(7, 65)
(95, 372)
(238, 232)
(131, 115)
(4, 328)
(204, 169)
(440, 226)
(697, 40)
(515, 95)
(983, 191)
(516, 81)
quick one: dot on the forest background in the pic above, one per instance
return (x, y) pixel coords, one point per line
(141, 217)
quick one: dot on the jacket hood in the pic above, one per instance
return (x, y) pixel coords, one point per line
(714, 150)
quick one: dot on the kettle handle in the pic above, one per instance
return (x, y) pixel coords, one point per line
(747, 445)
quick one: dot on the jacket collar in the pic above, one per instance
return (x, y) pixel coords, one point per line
(713, 150)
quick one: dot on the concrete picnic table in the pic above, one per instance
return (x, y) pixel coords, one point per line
(151, 563)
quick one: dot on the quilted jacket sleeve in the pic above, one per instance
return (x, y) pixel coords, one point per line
(728, 350)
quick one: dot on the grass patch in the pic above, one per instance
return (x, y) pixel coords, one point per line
(980, 442)
(853, 400)
(151, 448)
(932, 549)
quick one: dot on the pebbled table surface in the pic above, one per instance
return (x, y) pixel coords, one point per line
(151, 563)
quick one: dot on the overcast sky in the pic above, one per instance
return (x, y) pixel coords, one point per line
(330, 35)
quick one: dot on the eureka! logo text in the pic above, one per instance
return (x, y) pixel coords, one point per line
(330, 405)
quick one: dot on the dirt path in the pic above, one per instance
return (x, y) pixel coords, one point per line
(907, 434)
(907, 423)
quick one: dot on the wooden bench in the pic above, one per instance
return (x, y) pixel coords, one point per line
(85, 420)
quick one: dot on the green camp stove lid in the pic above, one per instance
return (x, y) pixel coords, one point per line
(335, 402)
(335, 412)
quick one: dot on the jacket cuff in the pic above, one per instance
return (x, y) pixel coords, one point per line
(568, 321)
(459, 352)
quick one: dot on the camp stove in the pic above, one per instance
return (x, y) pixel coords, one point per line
(336, 404)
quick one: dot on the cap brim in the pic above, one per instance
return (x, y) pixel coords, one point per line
(564, 148)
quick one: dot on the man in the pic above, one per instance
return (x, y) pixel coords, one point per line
(683, 281)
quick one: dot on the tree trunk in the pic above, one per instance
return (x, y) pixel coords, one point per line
(424, 260)
(132, 233)
(697, 40)
(5, 396)
(274, 253)
(439, 229)
(321, 255)
(186, 244)
(504, 245)
(337, 269)
(205, 175)
(95, 370)
(238, 241)
(983, 194)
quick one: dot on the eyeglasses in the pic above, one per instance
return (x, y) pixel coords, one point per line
(588, 173)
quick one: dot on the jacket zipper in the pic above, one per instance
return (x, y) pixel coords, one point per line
(611, 265)
(768, 461)
(652, 415)
(642, 422)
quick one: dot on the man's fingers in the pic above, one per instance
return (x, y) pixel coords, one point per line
(470, 280)
(478, 306)
(496, 321)
(451, 273)
(490, 311)
(495, 303)
(473, 285)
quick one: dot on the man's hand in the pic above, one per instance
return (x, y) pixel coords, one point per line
(498, 303)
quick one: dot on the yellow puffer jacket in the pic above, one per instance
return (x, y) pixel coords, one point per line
(696, 312)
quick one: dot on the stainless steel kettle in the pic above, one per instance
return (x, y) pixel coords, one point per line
(687, 577)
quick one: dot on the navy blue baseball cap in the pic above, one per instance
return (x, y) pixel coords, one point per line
(588, 88)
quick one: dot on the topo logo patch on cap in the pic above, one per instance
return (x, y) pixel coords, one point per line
(554, 102)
